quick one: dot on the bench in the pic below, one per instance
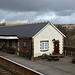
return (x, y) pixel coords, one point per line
(53, 57)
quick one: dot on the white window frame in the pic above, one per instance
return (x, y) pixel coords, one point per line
(44, 45)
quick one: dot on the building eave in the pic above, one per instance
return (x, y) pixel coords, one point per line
(40, 31)
(8, 37)
(52, 26)
(58, 30)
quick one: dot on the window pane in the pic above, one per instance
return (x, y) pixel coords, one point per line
(24, 44)
(44, 45)
(14, 45)
(7, 43)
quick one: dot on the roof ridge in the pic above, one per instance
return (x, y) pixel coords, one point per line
(15, 24)
(40, 22)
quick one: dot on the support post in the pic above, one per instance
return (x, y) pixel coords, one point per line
(18, 48)
(71, 53)
(65, 52)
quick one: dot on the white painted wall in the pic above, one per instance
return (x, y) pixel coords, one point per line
(49, 33)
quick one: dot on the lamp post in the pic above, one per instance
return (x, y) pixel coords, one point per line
(53, 40)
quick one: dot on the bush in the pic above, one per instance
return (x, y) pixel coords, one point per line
(44, 56)
(53, 53)
(50, 54)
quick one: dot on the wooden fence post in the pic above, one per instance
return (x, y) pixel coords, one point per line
(71, 53)
(65, 52)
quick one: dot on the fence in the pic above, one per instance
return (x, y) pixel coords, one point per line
(69, 51)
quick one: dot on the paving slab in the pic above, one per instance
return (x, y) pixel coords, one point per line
(61, 67)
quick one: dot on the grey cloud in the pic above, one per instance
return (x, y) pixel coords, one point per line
(36, 17)
(11, 16)
(36, 5)
(65, 12)
(57, 11)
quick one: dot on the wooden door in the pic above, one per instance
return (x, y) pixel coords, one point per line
(56, 47)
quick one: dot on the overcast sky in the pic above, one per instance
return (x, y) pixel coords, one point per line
(56, 11)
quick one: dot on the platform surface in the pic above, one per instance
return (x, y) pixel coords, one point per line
(61, 67)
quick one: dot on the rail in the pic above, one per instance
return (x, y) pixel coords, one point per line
(19, 67)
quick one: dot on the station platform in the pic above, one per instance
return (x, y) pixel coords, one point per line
(42, 66)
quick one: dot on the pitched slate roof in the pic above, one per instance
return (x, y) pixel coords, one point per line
(27, 30)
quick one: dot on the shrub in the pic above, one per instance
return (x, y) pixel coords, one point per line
(53, 53)
(44, 56)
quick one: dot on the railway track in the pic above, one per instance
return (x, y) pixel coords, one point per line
(7, 70)
(9, 67)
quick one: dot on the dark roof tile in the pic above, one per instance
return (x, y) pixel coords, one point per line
(28, 30)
